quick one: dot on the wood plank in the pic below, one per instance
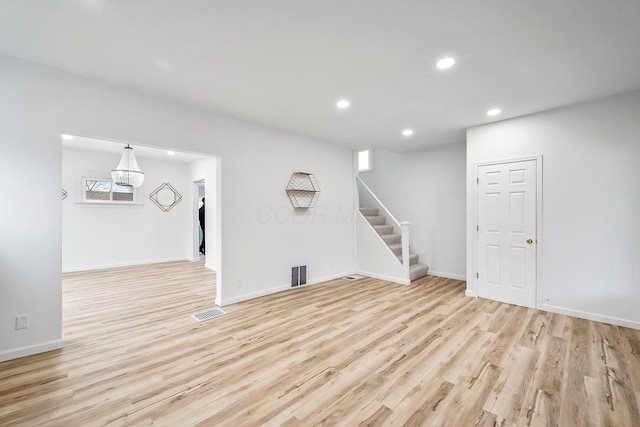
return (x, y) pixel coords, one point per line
(366, 352)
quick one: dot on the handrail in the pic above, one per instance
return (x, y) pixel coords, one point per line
(396, 222)
(403, 228)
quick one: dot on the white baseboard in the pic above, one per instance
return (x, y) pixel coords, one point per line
(383, 277)
(448, 275)
(264, 292)
(251, 295)
(592, 316)
(15, 353)
(327, 278)
(471, 293)
(406, 282)
(122, 264)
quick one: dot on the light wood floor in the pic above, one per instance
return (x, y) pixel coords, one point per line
(342, 353)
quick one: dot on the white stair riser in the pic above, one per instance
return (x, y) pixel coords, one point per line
(369, 211)
(383, 229)
(417, 271)
(390, 239)
(376, 220)
(413, 258)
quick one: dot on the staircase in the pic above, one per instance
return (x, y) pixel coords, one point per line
(393, 240)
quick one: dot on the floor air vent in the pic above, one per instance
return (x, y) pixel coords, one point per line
(352, 277)
(209, 314)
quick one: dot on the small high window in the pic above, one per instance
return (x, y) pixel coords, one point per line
(364, 160)
(95, 190)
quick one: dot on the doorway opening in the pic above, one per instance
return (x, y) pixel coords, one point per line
(108, 235)
(200, 225)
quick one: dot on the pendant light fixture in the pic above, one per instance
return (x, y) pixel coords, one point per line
(128, 173)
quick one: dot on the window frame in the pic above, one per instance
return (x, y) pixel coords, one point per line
(369, 155)
(110, 201)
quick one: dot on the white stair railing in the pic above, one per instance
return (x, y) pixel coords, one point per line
(368, 199)
(406, 238)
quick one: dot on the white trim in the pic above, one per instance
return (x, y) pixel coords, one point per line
(471, 293)
(356, 208)
(15, 353)
(123, 264)
(591, 316)
(509, 160)
(274, 290)
(138, 193)
(252, 295)
(539, 239)
(397, 280)
(472, 285)
(447, 275)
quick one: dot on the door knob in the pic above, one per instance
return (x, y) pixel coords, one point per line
(529, 241)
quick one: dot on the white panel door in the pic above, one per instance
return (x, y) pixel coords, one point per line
(506, 227)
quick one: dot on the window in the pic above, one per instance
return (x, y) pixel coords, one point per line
(98, 190)
(364, 160)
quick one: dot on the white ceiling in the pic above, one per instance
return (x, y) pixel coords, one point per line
(284, 63)
(140, 151)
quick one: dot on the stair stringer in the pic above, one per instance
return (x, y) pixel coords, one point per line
(373, 256)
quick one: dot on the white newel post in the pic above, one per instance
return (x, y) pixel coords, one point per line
(405, 248)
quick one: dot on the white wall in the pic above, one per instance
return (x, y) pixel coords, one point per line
(102, 236)
(590, 240)
(261, 236)
(267, 235)
(427, 188)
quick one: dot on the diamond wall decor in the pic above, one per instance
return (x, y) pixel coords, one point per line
(165, 197)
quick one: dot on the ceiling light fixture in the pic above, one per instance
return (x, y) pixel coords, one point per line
(171, 153)
(445, 63)
(128, 173)
(342, 104)
(407, 132)
(66, 136)
(494, 112)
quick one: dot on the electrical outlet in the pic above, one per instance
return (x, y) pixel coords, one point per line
(22, 321)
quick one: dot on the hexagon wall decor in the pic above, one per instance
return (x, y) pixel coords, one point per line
(303, 190)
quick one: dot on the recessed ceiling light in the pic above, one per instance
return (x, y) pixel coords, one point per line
(494, 112)
(66, 136)
(171, 153)
(407, 132)
(342, 104)
(445, 63)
